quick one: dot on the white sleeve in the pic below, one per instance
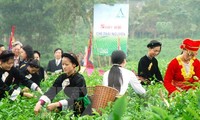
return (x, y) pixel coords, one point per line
(15, 93)
(105, 79)
(64, 104)
(45, 98)
(34, 86)
(136, 85)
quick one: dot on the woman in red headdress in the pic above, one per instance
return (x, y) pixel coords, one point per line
(184, 70)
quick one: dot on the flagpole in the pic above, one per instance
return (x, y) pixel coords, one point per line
(118, 44)
(89, 53)
(11, 37)
(89, 64)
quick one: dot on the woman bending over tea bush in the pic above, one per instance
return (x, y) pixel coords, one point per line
(73, 85)
(11, 78)
(148, 64)
(184, 70)
(120, 77)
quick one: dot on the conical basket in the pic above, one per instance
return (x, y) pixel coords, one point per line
(103, 95)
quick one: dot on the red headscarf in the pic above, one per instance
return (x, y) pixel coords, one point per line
(190, 44)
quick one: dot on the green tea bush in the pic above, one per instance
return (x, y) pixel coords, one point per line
(183, 106)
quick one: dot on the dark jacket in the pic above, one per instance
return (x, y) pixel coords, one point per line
(147, 68)
(10, 80)
(36, 77)
(52, 67)
(74, 88)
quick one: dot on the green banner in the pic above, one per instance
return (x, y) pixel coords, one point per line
(110, 28)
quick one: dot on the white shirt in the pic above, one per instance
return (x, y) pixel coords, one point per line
(128, 77)
(58, 61)
(16, 61)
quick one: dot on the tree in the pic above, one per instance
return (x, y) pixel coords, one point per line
(33, 24)
(73, 19)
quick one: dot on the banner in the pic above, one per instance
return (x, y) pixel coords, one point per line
(12, 38)
(110, 28)
(89, 58)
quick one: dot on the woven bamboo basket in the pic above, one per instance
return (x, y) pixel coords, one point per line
(90, 91)
(102, 95)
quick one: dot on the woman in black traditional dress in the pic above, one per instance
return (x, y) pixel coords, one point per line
(73, 85)
(31, 71)
(148, 69)
(10, 78)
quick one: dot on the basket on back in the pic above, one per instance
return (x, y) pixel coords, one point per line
(102, 95)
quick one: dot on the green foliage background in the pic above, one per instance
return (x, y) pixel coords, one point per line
(48, 24)
(183, 106)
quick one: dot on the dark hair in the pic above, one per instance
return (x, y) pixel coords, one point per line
(115, 75)
(34, 63)
(35, 51)
(118, 57)
(6, 55)
(29, 51)
(58, 49)
(154, 43)
(1, 45)
(73, 58)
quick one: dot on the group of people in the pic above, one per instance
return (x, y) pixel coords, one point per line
(20, 67)
(181, 73)
(16, 73)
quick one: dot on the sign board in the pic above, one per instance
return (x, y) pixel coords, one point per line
(110, 28)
